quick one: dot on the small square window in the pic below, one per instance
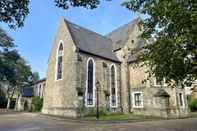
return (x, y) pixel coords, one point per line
(157, 82)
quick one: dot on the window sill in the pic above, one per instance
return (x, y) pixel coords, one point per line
(90, 106)
(58, 80)
(138, 107)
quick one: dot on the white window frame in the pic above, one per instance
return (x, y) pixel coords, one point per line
(94, 86)
(159, 85)
(56, 63)
(116, 93)
(133, 99)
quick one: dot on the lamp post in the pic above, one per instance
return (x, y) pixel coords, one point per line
(97, 100)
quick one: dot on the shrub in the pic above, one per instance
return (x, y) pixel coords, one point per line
(37, 103)
(192, 103)
(91, 112)
(3, 102)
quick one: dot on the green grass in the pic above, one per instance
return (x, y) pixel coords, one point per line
(193, 114)
(119, 117)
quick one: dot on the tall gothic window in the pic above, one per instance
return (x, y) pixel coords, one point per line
(59, 61)
(90, 83)
(113, 89)
(181, 99)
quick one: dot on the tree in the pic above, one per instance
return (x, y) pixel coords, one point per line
(14, 12)
(89, 4)
(173, 26)
(14, 71)
(35, 76)
(5, 40)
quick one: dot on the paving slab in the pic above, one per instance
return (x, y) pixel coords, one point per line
(38, 122)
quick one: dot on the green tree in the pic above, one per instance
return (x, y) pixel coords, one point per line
(14, 12)
(14, 71)
(35, 76)
(173, 26)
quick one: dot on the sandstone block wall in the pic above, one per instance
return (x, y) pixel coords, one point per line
(102, 75)
(60, 95)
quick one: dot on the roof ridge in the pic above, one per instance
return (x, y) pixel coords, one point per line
(86, 29)
(134, 21)
(91, 42)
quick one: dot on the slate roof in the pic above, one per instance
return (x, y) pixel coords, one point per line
(120, 36)
(27, 92)
(90, 42)
(39, 81)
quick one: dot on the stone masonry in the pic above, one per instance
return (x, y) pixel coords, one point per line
(133, 92)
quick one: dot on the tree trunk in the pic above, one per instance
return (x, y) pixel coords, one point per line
(10, 97)
(8, 103)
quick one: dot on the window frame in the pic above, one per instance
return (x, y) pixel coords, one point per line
(94, 86)
(57, 58)
(133, 99)
(116, 89)
(159, 85)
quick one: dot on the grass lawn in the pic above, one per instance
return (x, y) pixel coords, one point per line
(193, 114)
(119, 117)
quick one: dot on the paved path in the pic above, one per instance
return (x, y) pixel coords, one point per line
(36, 122)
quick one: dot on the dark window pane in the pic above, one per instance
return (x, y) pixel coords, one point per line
(181, 99)
(59, 62)
(90, 83)
(59, 68)
(113, 88)
(138, 99)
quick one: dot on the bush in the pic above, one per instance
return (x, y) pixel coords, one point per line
(3, 102)
(192, 103)
(37, 103)
(91, 112)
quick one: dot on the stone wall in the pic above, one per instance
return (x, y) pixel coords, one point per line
(152, 105)
(102, 75)
(60, 95)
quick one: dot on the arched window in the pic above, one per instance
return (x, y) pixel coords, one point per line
(90, 83)
(113, 87)
(59, 61)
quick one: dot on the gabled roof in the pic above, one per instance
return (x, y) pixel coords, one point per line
(90, 42)
(40, 81)
(120, 36)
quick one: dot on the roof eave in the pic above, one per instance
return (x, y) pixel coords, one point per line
(80, 50)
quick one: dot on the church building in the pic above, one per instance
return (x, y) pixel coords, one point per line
(86, 70)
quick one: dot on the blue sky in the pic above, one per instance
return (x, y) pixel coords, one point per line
(35, 39)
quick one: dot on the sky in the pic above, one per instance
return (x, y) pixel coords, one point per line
(34, 40)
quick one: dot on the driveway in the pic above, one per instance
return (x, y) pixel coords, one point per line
(37, 122)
